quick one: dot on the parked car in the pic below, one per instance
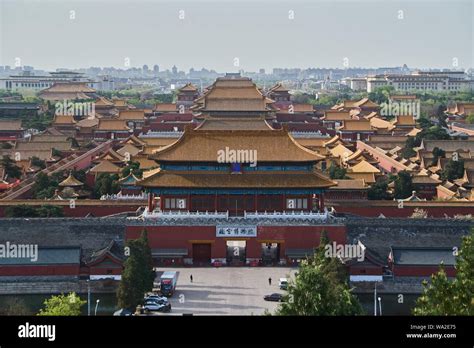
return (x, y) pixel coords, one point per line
(153, 306)
(217, 263)
(123, 312)
(157, 298)
(283, 283)
(273, 297)
(254, 263)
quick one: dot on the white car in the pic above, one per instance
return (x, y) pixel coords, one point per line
(156, 298)
(152, 306)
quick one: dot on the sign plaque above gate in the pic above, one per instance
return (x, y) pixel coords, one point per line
(236, 231)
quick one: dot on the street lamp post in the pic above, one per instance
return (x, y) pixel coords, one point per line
(375, 300)
(380, 305)
(88, 298)
(97, 305)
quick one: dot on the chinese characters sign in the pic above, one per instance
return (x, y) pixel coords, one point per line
(236, 231)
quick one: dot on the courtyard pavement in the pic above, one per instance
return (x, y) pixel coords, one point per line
(226, 290)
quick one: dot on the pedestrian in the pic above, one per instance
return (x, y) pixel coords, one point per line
(270, 281)
(191, 278)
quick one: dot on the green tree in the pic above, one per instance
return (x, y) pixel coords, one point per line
(378, 190)
(10, 167)
(432, 133)
(470, 119)
(50, 211)
(336, 172)
(106, 184)
(381, 94)
(403, 185)
(453, 170)
(138, 274)
(320, 288)
(57, 153)
(133, 167)
(408, 151)
(62, 305)
(425, 123)
(22, 210)
(437, 153)
(15, 306)
(31, 211)
(45, 186)
(451, 297)
(35, 161)
(6, 146)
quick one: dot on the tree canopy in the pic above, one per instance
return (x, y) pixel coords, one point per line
(336, 172)
(453, 170)
(403, 185)
(378, 190)
(451, 297)
(106, 184)
(10, 167)
(62, 305)
(320, 288)
(138, 274)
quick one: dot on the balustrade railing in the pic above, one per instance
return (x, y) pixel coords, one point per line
(281, 215)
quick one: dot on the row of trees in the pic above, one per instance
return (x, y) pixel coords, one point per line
(44, 211)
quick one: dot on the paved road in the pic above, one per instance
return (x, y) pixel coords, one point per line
(226, 290)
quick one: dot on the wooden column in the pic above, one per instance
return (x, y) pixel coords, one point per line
(150, 202)
(321, 202)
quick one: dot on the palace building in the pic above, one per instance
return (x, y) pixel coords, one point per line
(233, 189)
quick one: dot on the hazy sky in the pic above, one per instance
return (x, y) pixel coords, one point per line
(259, 33)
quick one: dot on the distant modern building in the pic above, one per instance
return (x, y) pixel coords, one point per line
(424, 81)
(28, 81)
(357, 83)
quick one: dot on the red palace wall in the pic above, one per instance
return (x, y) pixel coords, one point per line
(420, 271)
(292, 237)
(370, 208)
(366, 208)
(105, 270)
(82, 208)
(365, 270)
(17, 270)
